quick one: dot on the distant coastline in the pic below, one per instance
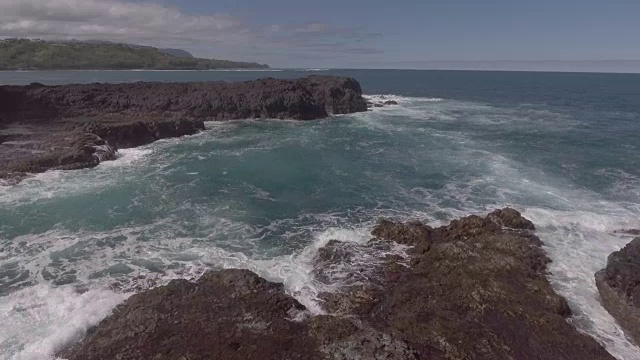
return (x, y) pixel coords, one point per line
(37, 55)
(560, 66)
(144, 70)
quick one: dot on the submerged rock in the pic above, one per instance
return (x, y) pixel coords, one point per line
(59, 127)
(619, 287)
(474, 289)
(390, 102)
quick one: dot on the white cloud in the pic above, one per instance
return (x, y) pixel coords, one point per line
(115, 20)
(154, 24)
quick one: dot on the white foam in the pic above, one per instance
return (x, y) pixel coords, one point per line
(473, 116)
(295, 271)
(623, 184)
(128, 157)
(578, 243)
(576, 226)
(40, 320)
(401, 100)
(61, 183)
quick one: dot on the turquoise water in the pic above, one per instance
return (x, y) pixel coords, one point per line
(562, 148)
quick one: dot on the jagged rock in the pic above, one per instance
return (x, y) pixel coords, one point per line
(231, 314)
(475, 289)
(510, 218)
(343, 338)
(411, 233)
(55, 127)
(619, 287)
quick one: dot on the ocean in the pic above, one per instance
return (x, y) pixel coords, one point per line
(563, 148)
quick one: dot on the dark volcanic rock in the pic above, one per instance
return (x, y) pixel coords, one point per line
(619, 287)
(55, 127)
(475, 289)
(231, 314)
(510, 218)
(390, 102)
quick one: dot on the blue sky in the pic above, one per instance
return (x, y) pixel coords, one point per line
(332, 33)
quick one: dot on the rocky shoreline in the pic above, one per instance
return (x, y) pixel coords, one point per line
(619, 287)
(473, 289)
(78, 126)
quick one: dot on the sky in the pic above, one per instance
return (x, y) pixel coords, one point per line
(489, 34)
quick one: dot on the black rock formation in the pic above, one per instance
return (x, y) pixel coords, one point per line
(619, 287)
(77, 126)
(474, 289)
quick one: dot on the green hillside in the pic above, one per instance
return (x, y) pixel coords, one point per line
(23, 54)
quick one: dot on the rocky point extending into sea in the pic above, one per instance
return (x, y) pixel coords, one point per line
(78, 126)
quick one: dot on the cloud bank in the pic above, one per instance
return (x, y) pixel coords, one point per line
(159, 25)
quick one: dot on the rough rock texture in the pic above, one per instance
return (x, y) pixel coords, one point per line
(371, 104)
(628, 231)
(76, 126)
(232, 314)
(474, 289)
(619, 287)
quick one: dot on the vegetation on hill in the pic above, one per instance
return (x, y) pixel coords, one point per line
(24, 54)
(177, 52)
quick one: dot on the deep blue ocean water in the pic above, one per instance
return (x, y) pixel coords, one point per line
(563, 148)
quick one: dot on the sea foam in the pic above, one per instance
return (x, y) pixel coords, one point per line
(43, 319)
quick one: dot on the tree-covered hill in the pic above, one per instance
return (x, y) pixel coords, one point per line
(24, 54)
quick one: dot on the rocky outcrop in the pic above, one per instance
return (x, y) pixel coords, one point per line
(371, 104)
(231, 314)
(474, 289)
(64, 127)
(619, 287)
(633, 232)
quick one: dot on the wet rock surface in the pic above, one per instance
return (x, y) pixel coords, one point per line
(379, 104)
(77, 126)
(619, 287)
(231, 314)
(473, 289)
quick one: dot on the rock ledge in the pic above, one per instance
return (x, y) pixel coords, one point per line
(78, 126)
(474, 289)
